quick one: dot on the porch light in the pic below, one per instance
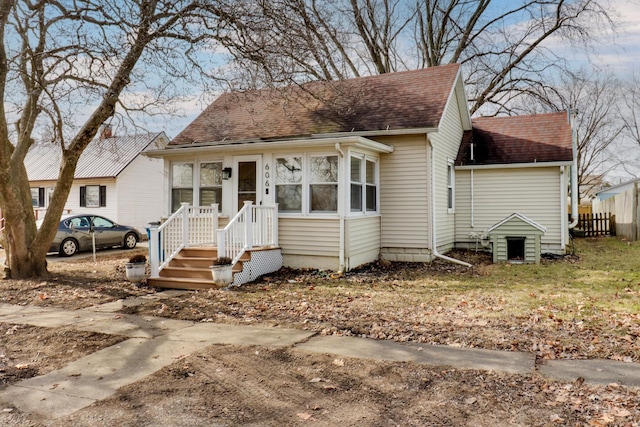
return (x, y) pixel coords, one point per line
(226, 173)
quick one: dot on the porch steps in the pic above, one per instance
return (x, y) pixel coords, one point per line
(190, 269)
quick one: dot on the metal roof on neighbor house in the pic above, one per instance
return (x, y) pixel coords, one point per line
(393, 101)
(103, 157)
(517, 139)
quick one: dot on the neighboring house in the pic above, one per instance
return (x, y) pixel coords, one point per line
(373, 167)
(111, 178)
(608, 192)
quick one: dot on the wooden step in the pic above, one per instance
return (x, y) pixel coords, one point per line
(182, 283)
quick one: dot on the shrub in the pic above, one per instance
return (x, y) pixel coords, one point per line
(136, 259)
(225, 260)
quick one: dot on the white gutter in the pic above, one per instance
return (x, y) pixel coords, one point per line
(341, 251)
(574, 170)
(434, 243)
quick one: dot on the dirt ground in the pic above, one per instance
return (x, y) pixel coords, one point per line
(254, 386)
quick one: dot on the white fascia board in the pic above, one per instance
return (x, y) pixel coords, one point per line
(298, 144)
(514, 165)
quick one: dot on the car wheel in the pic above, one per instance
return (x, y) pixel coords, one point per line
(130, 241)
(68, 247)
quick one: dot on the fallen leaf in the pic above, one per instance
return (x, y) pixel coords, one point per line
(338, 362)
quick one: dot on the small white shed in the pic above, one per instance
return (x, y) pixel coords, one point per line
(516, 239)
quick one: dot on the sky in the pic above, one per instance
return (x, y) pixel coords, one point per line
(619, 53)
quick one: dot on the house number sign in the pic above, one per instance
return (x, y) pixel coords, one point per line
(266, 175)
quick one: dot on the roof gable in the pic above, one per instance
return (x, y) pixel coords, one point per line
(519, 218)
(517, 139)
(402, 100)
(103, 157)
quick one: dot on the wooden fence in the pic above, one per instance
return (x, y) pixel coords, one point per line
(591, 225)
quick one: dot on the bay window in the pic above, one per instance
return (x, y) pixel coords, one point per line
(364, 188)
(323, 184)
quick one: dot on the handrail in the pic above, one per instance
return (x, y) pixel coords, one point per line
(253, 226)
(188, 226)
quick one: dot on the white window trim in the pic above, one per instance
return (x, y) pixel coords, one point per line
(363, 174)
(306, 184)
(451, 185)
(196, 180)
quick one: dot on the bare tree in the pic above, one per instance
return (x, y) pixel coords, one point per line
(504, 48)
(593, 99)
(61, 61)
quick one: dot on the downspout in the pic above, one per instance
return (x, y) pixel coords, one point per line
(434, 244)
(574, 170)
(341, 251)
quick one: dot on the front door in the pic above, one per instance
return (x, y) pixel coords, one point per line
(248, 182)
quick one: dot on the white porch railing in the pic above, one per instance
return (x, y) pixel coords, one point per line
(253, 226)
(188, 226)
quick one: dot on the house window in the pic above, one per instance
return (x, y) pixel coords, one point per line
(289, 184)
(181, 185)
(356, 184)
(363, 185)
(371, 195)
(37, 197)
(323, 184)
(450, 185)
(93, 196)
(211, 184)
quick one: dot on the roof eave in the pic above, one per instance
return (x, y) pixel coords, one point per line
(245, 146)
(516, 165)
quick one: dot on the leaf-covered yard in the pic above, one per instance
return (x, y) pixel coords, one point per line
(578, 306)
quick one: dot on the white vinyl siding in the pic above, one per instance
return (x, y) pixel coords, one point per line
(309, 236)
(362, 240)
(404, 194)
(445, 145)
(139, 193)
(498, 193)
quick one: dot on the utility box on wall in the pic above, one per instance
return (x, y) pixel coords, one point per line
(516, 239)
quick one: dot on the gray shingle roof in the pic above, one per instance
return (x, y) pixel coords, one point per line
(402, 100)
(517, 139)
(103, 158)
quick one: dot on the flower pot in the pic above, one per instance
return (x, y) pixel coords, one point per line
(136, 271)
(222, 274)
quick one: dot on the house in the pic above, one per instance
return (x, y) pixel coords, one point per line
(111, 179)
(388, 166)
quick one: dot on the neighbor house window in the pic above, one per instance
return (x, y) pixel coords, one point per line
(211, 184)
(181, 185)
(93, 196)
(289, 184)
(450, 185)
(363, 185)
(37, 197)
(323, 183)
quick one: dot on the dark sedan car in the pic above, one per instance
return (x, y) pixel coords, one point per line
(76, 232)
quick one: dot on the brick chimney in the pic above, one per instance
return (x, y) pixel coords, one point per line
(106, 132)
